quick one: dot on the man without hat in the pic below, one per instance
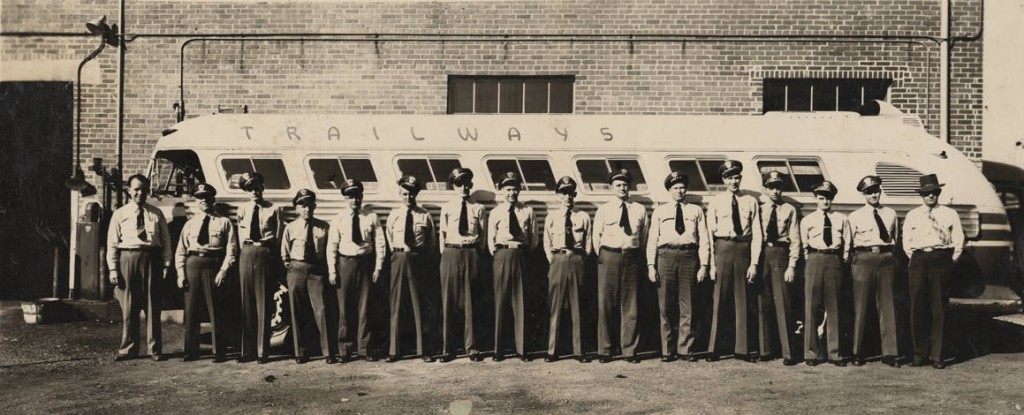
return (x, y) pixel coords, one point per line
(461, 240)
(304, 251)
(566, 245)
(619, 228)
(410, 229)
(826, 238)
(259, 228)
(875, 232)
(933, 239)
(139, 256)
(206, 251)
(734, 220)
(355, 254)
(511, 235)
(781, 253)
(678, 252)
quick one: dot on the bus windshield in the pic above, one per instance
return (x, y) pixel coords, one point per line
(175, 173)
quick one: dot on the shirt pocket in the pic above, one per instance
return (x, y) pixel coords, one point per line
(814, 232)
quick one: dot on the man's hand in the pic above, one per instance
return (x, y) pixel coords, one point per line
(751, 273)
(115, 277)
(652, 273)
(221, 275)
(333, 279)
(376, 275)
(790, 274)
(166, 272)
(702, 273)
(181, 281)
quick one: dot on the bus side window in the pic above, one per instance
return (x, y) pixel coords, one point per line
(175, 173)
(273, 171)
(703, 174)
(433, 172)
(536, 174)
(801, 174)
(329, 173)
(594, 173)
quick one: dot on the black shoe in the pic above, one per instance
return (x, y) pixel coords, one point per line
(858, 361)
(262, 360)
(391, 359)
(331, 360)
(524, 358)
(189, 358)
(370, 358)
(813, 363)
(633, 359)
(550, 358)
(497, 358)
(711, 358)
(157, 357)
(691, 358)
(428, 358)
(750, 359)
(765, 358)
(246, 359)
(123, 357)
(666, 359)
(837, 363)
(891, 361)
(301, 359)
(918, 363)
(604, 358)
(476, 357)
(344, 358)
(939, 365)
(219, 359)
(583, 359)
(445, 358)
(789, 362)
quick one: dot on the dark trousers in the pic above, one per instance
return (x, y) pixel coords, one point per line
(140, 291)
(677, 273)
(405, 267)
(460, 268)
(822, 281)
(355, 275)
(201, 273)
(775, 317)
(929, 277)
(255, 266)
(508, 293)
(618, 282)
(873, 279)
(307, 288)
(731, 261)
(564, 278)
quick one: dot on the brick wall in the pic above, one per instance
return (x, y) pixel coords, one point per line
(612, 77)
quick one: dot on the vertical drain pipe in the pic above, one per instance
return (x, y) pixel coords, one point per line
(944, 74)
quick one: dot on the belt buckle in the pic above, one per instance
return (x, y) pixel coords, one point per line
(928, 249)
(876, 250)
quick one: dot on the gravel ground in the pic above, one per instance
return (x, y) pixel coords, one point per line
(68, 368)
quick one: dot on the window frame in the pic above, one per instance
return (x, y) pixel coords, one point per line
(789, 167)
(338, 157)
(697, 159)
(523, 80)
(522, 176)
(408, 156)
(251, 156)
(585, 187)
(810, 84)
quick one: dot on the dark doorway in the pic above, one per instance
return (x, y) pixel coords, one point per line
(35, 158)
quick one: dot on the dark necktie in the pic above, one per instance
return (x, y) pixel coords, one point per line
(410, 238)
(204, 231)
(883, 233)
(624, 221)
(309, 251)
(736, 227)
(827, 232)
(570, 238)
(680, 225)
(513, 223)
(357, 233)
(140, 225)
(254, 226)
(773, 226)
(463, 220)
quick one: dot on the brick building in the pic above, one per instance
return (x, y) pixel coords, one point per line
(433, 57)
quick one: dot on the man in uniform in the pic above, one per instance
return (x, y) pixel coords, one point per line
(734, 220)
(619, 227)
(355, 251)
(410, 229)
(139, 255)
(781, 252)
(304, 251)
(933, 239)
(826, 238)
(461, 240)
(511, 236)
(566, 244)
(206, 251)
(678, 251)
(259, 225)
(875, 233)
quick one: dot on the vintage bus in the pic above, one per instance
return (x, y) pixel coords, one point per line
(320, 151)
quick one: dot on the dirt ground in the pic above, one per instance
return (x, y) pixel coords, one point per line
(68, 368)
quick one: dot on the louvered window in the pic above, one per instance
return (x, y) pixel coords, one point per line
(898, 180)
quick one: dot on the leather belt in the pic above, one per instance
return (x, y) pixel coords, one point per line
(619, 250)
(831, 251)
(353, 256)
(569, 251)
(505, 246)
(140, 249)
(410, 250)
(877, 249)
(936, 249)
(777, 244)
(268, 242)
(460, 246)
(679, 247)
(733, 238)
(204, 254)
